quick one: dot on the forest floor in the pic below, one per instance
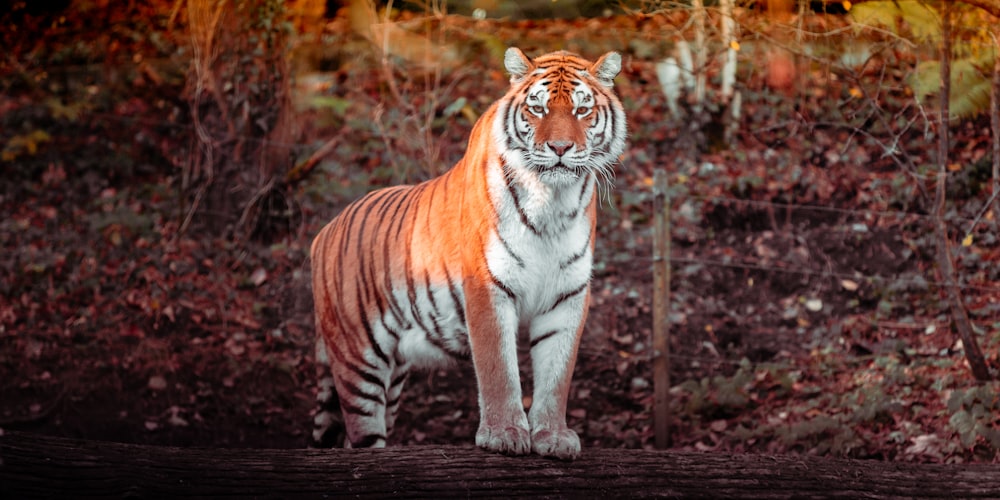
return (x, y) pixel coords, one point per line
(806, 314)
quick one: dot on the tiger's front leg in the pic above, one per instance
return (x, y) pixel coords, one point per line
(555, 339)
(492, 321)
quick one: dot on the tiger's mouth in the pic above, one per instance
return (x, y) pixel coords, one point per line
(559, 167)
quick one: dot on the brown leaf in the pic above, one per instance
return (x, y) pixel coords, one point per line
(157, 383)
(258, 276)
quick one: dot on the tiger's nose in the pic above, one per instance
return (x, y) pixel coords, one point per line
(559, 147)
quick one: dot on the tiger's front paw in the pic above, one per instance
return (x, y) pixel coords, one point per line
(509, 440)
(563, 444)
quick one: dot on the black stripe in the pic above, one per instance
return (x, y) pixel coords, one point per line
(348, 358)
(394, 402)
(367, 441)
(370, 202)
(411, 290)
(347, 407)
(439, 342)
(331, 404)
(583, 191)
(419, 320)
(387, 246)
(392, 331)
(612, 118)
(566, 295)
(579, 202)
(417, 316)
(347, 404)
(318, 262)
(601, 118)
(510, 123)
(366, 324)
(506, 125)
(356, 393)
(436, 337)
(520, 209)
(394, 385)
(453, 290)
(542, 337)
(563, 60)
(345, 226)
(430, 293)
(510, 251)
(575, 257)
(371, 221)
(499, 284)
(399, 379)
(434, 334)
(365, 375)
(397, 219)
(433, 314)
(350, 226)
(430, 203)
(518, 116)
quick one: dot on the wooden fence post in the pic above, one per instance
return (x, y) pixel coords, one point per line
(661, 310)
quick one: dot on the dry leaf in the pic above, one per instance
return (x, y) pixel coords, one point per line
(259, 276)
(157, 383)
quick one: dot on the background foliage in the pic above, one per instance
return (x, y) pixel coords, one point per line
(163, 178)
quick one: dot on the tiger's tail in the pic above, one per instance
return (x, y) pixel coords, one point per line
(328, 430)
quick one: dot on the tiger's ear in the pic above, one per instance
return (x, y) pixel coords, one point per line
(517, 63)
(607, 68)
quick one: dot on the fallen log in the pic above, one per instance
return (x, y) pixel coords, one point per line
(33, 466)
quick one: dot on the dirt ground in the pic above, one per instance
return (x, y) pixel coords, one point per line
(243, 388)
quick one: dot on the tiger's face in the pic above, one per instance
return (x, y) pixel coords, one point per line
(562, 121)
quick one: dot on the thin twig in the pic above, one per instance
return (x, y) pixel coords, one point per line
(982, 211)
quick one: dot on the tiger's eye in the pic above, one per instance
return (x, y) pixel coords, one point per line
(582, 111)
(538, 110)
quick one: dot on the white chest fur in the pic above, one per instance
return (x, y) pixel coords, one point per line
(541, 249)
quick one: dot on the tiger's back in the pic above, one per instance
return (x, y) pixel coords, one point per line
(430, 274)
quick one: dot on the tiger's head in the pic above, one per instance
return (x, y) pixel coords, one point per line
(560, 119)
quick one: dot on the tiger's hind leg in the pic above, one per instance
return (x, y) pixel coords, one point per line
(394, 394)
(328, 423)
(369, 389)
(332, 422)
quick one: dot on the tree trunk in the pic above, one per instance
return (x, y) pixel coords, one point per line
(34, 466)
(728, 93)
(995, 126)
(959, 316)
(700, 55)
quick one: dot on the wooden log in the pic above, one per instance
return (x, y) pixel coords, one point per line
(33, 466)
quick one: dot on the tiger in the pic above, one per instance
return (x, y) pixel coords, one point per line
(427, 275)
